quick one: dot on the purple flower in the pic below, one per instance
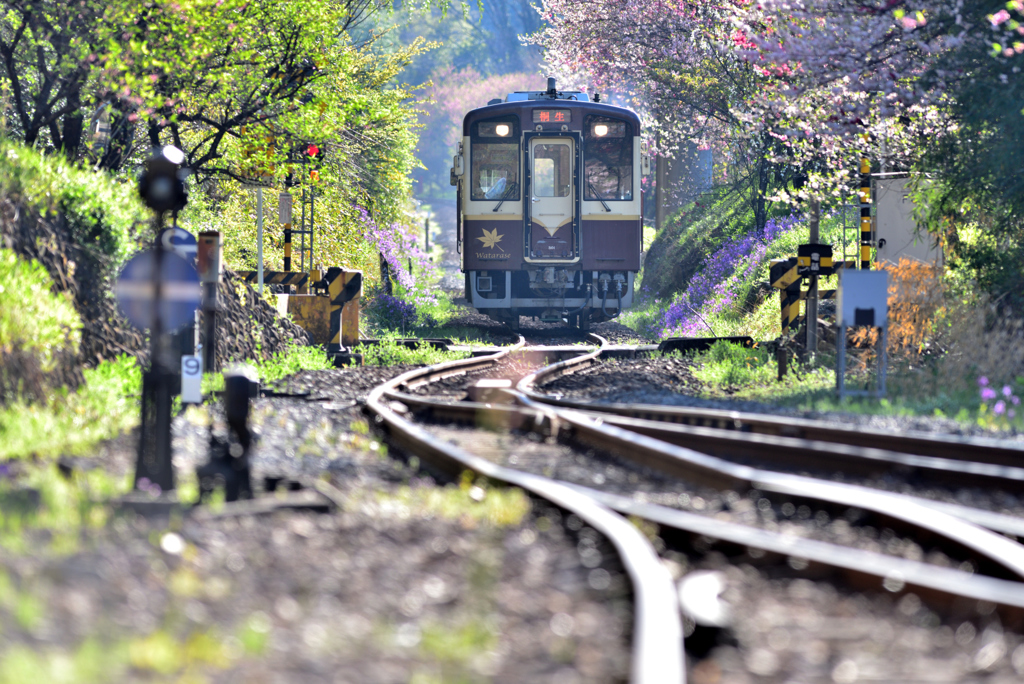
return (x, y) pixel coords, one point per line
(1011, 413)
(717, 285)
(1007, 391)
(396, 246)
(988, 393)
(1015, 400)
(999, 408)
(982, 381)
(392, 312)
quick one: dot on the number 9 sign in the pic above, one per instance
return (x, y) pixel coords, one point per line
(191, 380)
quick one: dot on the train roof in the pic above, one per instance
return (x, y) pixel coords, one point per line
(521, 101)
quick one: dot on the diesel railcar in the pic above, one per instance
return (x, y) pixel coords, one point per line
(549, 207)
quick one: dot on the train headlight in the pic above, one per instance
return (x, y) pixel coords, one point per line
(600, 130)
(502, 130)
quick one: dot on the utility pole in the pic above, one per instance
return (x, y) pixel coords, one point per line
(660, 180)
(812, 281)
(259, 236)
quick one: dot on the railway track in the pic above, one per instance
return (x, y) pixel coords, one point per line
(444, 433)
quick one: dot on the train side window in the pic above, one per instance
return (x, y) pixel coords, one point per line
(494, 160)
(607, 159)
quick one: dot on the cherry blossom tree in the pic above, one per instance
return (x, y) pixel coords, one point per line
(675, 62)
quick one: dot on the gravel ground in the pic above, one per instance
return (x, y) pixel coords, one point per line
(788, 629)
(785, 628)
(389, 589)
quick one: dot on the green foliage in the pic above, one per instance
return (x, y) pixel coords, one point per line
(63, 508)
(388, 352)
(255, 633)
(89, 663)
(458, 643)
(727, 364)
(100, 212)
(689, 241)
(106, 405)
(32, 318)
(692, 234)
(470, 501)
(294, 359)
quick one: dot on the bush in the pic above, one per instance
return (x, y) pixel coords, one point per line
(100, 213)
(388, 352)
(39, 331)
(729, 365)
(294, 359)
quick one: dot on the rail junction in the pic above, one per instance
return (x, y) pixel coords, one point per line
(490, 425)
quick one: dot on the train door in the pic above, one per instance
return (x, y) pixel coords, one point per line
(552, 199)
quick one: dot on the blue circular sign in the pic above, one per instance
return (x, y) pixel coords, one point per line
(179, 241)
(179, 292)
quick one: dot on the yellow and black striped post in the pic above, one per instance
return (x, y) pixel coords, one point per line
(865, 212)
(784, 277)
(287, 247)
(344, 288)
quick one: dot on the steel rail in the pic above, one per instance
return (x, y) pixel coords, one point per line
(951, 584)
(941, 585)
(695, 466)
(808, 453)
(951, 447)
(689, 464)
(511, 417)
(658, 636)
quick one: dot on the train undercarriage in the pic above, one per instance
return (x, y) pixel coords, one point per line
(550, 294)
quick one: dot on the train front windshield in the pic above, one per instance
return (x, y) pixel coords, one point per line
(608, 159)
(494, 161)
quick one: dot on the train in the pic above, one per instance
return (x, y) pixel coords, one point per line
(550, 207)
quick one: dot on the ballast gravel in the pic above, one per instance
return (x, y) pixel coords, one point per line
(382, 590)
(783, 627)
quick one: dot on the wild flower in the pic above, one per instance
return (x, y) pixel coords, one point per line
(718, 285)
(1001, 412)
(396, 246)
(390, 312)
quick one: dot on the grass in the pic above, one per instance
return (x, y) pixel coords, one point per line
(388, 352)
(101, 212)
(73, 423)
(733, 372)
(292, 360)
(471, 503)
(46, 500)
(33, 319)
